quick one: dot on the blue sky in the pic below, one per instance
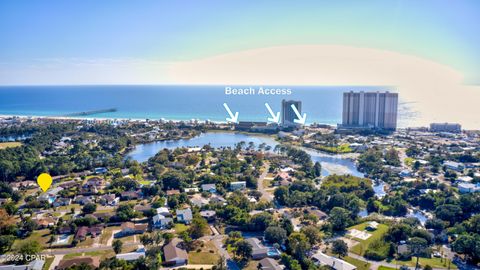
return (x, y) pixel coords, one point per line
(443, 31)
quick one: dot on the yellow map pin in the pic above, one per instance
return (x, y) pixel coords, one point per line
(44, 180)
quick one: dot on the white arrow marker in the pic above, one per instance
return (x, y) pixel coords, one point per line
(274, 118)
(300, 120)
(233, 118)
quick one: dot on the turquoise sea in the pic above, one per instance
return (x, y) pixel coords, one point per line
(322, 104)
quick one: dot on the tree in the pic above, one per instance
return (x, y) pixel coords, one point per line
(117, 246)
(468, 244)
(317, 169)
(298, 245)
(261, 221)
(281, 195)
(274, 234)
(28, 249)
(417, 246)
(89, 208)
(243, 250)
(340, 248)
(6, 242)
(290, 263)
(198, 228)
(313, 234)
(339, 219)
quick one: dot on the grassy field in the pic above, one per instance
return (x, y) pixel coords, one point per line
(179, 228)
(360, 248)
(41, 236)
(107, 234)
(48, 262)
(4, 145)
(208, 255)
(103, 254)
(381, 267)
(433, 262)
(361, 265)
(87, 243)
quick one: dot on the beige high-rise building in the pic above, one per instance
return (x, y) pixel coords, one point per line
(370, 110)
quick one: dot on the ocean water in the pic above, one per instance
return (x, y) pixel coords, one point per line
(322, 104)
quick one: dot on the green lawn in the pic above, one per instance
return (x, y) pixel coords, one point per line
(360, 248)
(179, 228)
(40, 236)
(208, 255)
(144, 182)
(103, 254)
(381, 267)
(48, 262)
(361, 265)
(433, 262)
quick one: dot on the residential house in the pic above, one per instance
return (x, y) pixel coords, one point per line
(468, 187)
(33, 265)
(320, 258)
(209, 188)
(161, 222)
(101, 170)
(93, 262)
(184, 215)
(84, 231)
(452, 165)
(51, 195)
(142, 208)
(129, 228)
(62, 202)
(209, 215)
(130, 195)
(132, 256)
(173, 192)
(82, 200)
(109, 199)
(164, 211)
(259, 251)
(45, 222)
(239, 185)
(174, 253)
(269, 264)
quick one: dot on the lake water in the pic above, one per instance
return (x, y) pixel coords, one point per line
(331, 164)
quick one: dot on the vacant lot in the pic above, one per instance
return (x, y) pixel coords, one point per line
(41, 236)
(208, 254)
(363, 244)
(433, 262)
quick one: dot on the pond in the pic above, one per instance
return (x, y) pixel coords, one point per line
(331, 164)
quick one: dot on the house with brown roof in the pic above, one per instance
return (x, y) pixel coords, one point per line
(174, 253)
(173, 192)
(130, 228)
(93, 262)
(84, 231)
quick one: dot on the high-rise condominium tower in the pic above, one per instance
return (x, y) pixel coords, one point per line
(370, 110)
(288, 115)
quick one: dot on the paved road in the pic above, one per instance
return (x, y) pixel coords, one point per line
(261, 187)
(218, 242)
